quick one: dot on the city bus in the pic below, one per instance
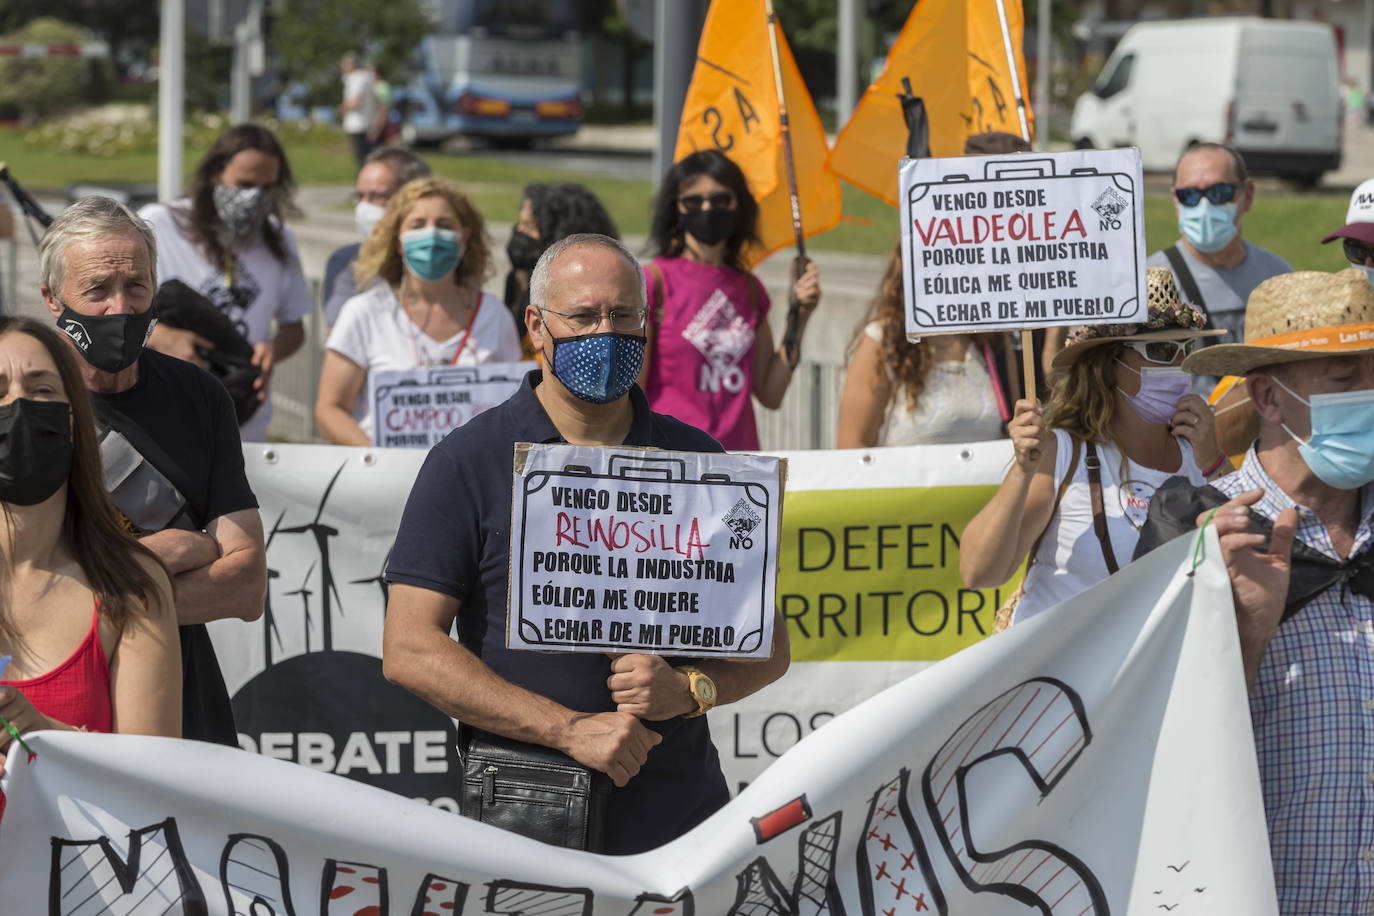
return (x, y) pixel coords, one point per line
(507, 70)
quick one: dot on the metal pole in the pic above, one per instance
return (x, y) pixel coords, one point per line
(1044, 52)
(847, 62)
(1011, 68)
(240, 85)
(676, 33)
(171, 92)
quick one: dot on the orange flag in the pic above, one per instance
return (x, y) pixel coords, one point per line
(941, 40)
(989, 78)
(732, 106)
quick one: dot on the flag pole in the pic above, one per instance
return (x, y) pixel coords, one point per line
(1027, 340)
(790, 338)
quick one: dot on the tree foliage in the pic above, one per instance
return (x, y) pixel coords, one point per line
(42, 86)
(122, 23)
(310, 36)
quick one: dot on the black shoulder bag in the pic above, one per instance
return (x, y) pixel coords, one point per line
(534, 791)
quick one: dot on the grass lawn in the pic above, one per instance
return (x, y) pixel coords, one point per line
(1289, 223)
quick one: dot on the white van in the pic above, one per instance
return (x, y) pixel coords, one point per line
(1269, 87)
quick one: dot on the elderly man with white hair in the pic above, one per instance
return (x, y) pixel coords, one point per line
(1297, 525)
(169, 440)
(637, 719)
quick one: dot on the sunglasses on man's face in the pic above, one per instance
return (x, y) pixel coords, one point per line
(720, 200)
(1356, 252)
(1220, 193)
(1163, 351)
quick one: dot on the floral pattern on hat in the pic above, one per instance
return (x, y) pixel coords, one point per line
(1166, 311)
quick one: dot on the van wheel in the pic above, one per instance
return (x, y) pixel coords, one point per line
(1083, 143)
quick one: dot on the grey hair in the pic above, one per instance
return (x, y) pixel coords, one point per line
(89, 218)
(407, 164)
(539, 277)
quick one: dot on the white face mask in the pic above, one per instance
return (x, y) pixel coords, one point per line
(366, 215)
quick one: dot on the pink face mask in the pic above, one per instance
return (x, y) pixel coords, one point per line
(1160, 390)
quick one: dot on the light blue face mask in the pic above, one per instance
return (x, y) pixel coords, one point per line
(1341, 449)
(431, 253)
(1367, 271)
(1208, 226)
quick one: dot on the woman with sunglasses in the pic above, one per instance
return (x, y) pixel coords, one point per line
(420, 272)
(710, 346)
(1120, 421)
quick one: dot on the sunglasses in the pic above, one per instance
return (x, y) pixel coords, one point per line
(720, 200)
(1356, 252)
(1220, 193)
(1163, 351)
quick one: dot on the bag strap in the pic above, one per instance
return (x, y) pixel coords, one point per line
(1058, 498)
(152, 453)
(1184, 276)
(1094, 466)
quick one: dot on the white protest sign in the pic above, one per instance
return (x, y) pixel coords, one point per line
(633, 550)
(1022, 241)
(415, 408)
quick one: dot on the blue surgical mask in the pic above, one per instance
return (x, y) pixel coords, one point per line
(1160, 389)
(598, 368)
(1208, 226)
(431, 253)
(1340, 450)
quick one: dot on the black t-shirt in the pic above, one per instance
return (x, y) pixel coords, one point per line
(181, 419)
(454, 539)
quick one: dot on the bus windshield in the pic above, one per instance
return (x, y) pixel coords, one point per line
(527, 20)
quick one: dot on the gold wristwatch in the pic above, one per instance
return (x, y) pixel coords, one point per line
(702, 688)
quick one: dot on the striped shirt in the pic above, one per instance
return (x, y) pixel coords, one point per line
(1312, 708)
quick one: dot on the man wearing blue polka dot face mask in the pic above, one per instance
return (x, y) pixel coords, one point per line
(635, 718)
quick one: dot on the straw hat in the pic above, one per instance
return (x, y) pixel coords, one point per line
(1359, 217)
(1303, 315)
(1168, 317)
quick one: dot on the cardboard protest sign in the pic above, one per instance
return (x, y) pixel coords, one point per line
(415, 408)
(634, 550)
(1003, 242)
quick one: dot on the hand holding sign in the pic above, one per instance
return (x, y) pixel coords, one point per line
(1028, 434)
(649, 688)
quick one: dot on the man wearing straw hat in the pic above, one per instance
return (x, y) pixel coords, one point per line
(1296, 523)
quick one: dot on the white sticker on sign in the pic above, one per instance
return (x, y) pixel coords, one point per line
(633, 550)
(1022, 241)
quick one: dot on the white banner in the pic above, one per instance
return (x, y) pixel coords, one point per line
(642, 550)
(415, 408)
(1030, 240)
(1095, 760)
(868, 585)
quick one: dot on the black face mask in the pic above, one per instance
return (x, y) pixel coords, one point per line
(709, 227)
(35, 450)
(111, 343)
(523, 250)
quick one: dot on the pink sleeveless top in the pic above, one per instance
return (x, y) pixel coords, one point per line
(76, 692)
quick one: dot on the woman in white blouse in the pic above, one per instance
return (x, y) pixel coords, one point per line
(421, 303)
(940, 389)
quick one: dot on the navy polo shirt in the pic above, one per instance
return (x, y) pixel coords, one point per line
(454, 539)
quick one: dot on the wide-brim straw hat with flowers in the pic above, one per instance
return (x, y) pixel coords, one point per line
(1167, 317)
(1308, 314)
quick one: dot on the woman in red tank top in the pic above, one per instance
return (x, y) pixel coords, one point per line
(87, 621)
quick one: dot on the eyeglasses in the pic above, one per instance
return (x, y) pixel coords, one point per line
(1220, 193)
(1162, 351)
(623, 320)
(1356, 252)
(372, 197)
(720, 200)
